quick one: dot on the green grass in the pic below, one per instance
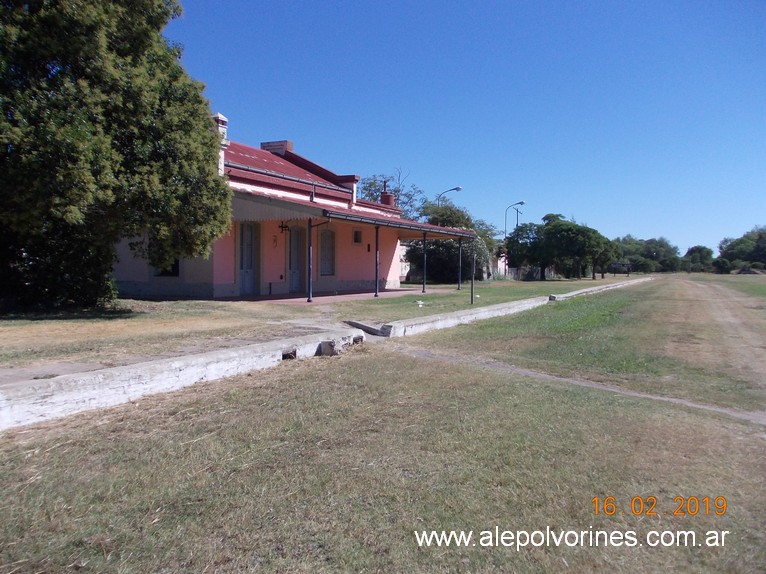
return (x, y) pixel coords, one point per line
(617, 337)
(753, 285)
(440, 299)
(151, 328)
(331, 465)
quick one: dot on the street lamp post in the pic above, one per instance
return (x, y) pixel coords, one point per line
(505, 228)
(516, 209)
(460, 243)
(438, 197)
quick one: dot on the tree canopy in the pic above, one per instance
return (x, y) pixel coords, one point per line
(564, 245)
(649, 255)
(409, 199)
(745, 251)
(443, 255)
(104, 136)
(698, 258)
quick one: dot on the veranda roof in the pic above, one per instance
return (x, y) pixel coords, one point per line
(265, 207)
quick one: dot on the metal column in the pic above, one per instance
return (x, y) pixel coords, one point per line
(473, 272)
(424, 262)
(377, 258)
(309, 280)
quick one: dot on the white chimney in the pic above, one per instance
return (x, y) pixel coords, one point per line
(223, 128)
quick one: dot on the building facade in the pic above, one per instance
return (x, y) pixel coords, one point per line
(297, 228)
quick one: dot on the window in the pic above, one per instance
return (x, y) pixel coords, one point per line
(327, 252)
(357, 237)
(172, 271)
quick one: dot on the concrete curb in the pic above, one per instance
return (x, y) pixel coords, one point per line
(28, 402)
(591, 290)
(408, 327)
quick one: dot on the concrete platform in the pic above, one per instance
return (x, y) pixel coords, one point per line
(409, 327)
(28, 402)
(32, 401)
(417, 325)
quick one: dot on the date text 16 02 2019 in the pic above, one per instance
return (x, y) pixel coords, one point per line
(647, 506)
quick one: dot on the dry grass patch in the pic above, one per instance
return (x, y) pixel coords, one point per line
(655, 337)
(332, 465)
(137, 330)
(141, 328)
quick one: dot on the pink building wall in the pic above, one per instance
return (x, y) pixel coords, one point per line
(273, 254)
(225, 258)
(355, 262)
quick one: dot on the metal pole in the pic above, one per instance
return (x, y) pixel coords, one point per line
(311, 266)
(377, 258)
(505, 229)
(473, 273)
(459, 262)
(505, 240)
(424, 262)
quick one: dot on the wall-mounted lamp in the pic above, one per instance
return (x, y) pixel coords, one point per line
(283, 227)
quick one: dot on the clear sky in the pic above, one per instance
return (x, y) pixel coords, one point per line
(645, 118)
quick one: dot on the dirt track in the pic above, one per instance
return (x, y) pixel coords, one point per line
(731, 328)
(729, 331)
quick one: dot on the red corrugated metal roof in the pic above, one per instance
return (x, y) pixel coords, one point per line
(245, 163)
(267, 161)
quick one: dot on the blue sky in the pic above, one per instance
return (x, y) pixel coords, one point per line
(645, 118)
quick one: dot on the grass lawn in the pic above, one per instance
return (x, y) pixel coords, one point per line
(333, 464)
(648, 338)
(151, 328)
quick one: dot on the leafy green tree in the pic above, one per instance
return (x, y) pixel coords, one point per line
(722, 266)
(699, 258)
(104, 136)
(531, 244)
(522, 246)
(601, 252)
(443, 255)
(409, 199)
(573, 246)
(663, 253)
(649, 255)
(568, 243)
(568, 246)
(607, 254)
(748, 249)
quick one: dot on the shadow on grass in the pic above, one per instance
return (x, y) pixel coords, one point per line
(69, 314)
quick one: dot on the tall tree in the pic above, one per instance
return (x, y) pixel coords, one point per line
(526, 246)
(409, 199)
(699, 258)
(443, 254)
(745, 250)
(649, 255)
(565, 244)
(104, 136)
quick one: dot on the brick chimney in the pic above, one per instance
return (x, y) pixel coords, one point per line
(278, 148)
(386, 197)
